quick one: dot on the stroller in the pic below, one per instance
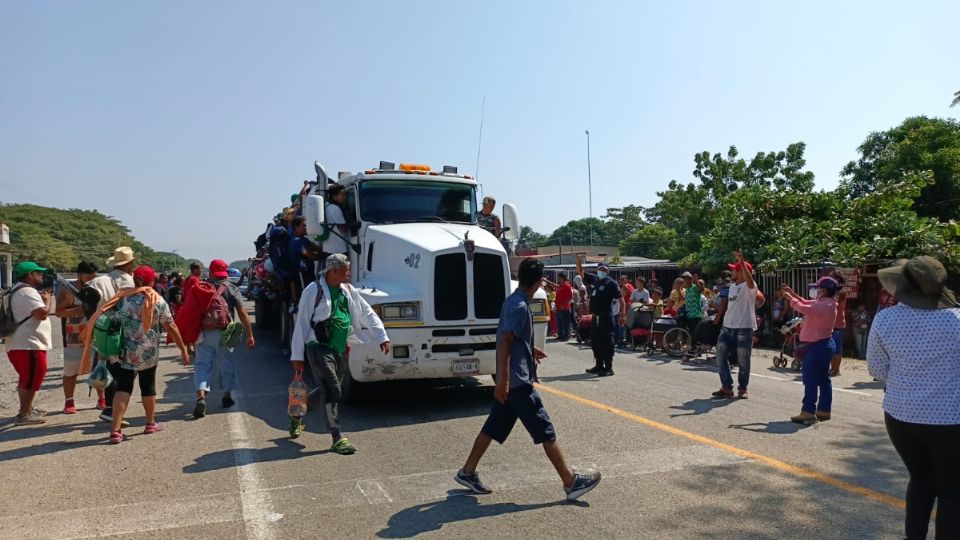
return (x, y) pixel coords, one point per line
(640, 323)
(705, 337)
(791, 340)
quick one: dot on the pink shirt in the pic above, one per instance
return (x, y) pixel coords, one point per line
(819, 318)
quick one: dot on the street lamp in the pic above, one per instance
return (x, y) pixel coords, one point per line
(589, 185)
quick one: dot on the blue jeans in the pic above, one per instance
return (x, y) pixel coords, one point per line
(816, 374)
(737, 341)
(564, 319)
(208, 352)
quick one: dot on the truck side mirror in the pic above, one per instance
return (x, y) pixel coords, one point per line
(313, 212)
(321, 174)
(511, 222)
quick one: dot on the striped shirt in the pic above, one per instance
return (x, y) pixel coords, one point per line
(916, 352)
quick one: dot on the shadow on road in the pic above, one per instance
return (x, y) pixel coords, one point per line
(458, 506)
(571, 377)
(701, 406)
(284, 449)
(784, 427)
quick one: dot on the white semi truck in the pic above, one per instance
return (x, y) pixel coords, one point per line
(435, 277)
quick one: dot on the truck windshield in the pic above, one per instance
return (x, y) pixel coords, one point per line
(401, 201)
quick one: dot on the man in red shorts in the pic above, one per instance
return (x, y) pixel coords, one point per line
(27, 347)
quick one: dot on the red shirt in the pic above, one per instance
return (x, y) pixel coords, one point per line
(564, 296)
(188, 284)
(626, 295)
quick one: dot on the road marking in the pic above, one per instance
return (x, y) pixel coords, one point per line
(254, 500)
(835, 389)
(789, 468)
(373, 492)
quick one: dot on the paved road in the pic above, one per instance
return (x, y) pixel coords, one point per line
(676, 463)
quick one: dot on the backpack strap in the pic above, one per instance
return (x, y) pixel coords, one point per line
(14, 289)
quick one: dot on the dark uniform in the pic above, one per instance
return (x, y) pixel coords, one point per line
(604, 293)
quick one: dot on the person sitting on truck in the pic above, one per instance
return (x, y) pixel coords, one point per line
(330, 310)
(336, 231)
(487, 219)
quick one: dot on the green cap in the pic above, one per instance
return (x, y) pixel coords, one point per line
(26, 267)
(294, 197)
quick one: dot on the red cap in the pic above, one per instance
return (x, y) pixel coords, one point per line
(145, 275)
(736, 266)
(218, 269)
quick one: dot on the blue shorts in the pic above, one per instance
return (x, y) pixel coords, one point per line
(523, 403)
(838, 341)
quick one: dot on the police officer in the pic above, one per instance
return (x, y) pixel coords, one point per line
(604, 306)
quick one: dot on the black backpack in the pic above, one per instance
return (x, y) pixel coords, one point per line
(280, 252)
(9, 324)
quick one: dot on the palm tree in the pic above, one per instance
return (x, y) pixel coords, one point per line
(956, 99)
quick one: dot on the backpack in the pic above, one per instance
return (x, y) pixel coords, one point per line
(108, 335)
(217, 316)
(8, 324)
(321, 329)
(283, 265)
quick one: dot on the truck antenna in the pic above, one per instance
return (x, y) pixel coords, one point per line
(483, 106)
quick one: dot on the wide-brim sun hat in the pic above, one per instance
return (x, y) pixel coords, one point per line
(920, 282)
(121, 256)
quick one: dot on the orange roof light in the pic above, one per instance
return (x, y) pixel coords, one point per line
(414, 167)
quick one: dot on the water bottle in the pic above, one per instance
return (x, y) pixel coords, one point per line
(297, 396)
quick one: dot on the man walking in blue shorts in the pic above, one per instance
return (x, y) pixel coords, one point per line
(516, 398)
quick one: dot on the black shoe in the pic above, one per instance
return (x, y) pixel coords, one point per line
(228, 401)
(200, 410)
(594, 369)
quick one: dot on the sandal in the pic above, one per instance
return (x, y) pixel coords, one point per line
(296, 427)
(152, 427)
(344, 447)
(117, 437)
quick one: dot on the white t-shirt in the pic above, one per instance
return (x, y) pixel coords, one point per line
(110, 284)
(32, 335)
(741, 307)
(334, 216)
(640, 296)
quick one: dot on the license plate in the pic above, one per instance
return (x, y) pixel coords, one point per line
(466, 367)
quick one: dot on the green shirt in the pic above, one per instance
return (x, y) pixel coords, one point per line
(693, 307)
(339, 320)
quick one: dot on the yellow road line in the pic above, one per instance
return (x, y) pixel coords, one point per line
(789, 468)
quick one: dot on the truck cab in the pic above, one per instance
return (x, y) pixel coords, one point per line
(436, 278)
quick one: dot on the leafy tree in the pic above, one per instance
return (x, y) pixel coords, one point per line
(531, 237)
(956, 99)
(579, 232)
(919, 145)
(622, 222)
(60, 239)
(653, 241)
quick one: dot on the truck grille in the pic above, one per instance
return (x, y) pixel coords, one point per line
(449, 291)
(488, 287)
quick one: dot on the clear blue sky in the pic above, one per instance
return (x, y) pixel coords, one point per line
(194, 121)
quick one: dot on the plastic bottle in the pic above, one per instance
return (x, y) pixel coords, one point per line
(297, 396)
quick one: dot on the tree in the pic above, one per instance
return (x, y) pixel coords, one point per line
(531, 238)
(653, 241)
(623, 222)
(956, 99)
(579, 232)
(919, 145)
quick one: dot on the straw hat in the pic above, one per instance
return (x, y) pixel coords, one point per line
(920, 282)
(121, 256)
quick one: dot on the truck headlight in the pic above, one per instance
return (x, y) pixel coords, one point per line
(400, 311)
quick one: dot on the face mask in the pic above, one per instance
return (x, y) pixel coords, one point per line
(813, 293)
(601, 274)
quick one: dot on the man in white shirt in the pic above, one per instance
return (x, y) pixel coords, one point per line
(27, 347)
(334, 240)
(640, 294)
(739, 323)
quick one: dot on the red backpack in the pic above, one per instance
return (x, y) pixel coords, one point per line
(217, 316)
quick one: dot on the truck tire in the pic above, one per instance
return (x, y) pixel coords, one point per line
(262, 314)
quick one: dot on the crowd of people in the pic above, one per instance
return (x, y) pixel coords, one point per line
(130, 308)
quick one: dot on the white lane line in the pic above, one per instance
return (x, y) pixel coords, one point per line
(835, 389)
(255, 501)
(373, 492)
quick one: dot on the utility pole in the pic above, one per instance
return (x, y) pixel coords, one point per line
(589, 186)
